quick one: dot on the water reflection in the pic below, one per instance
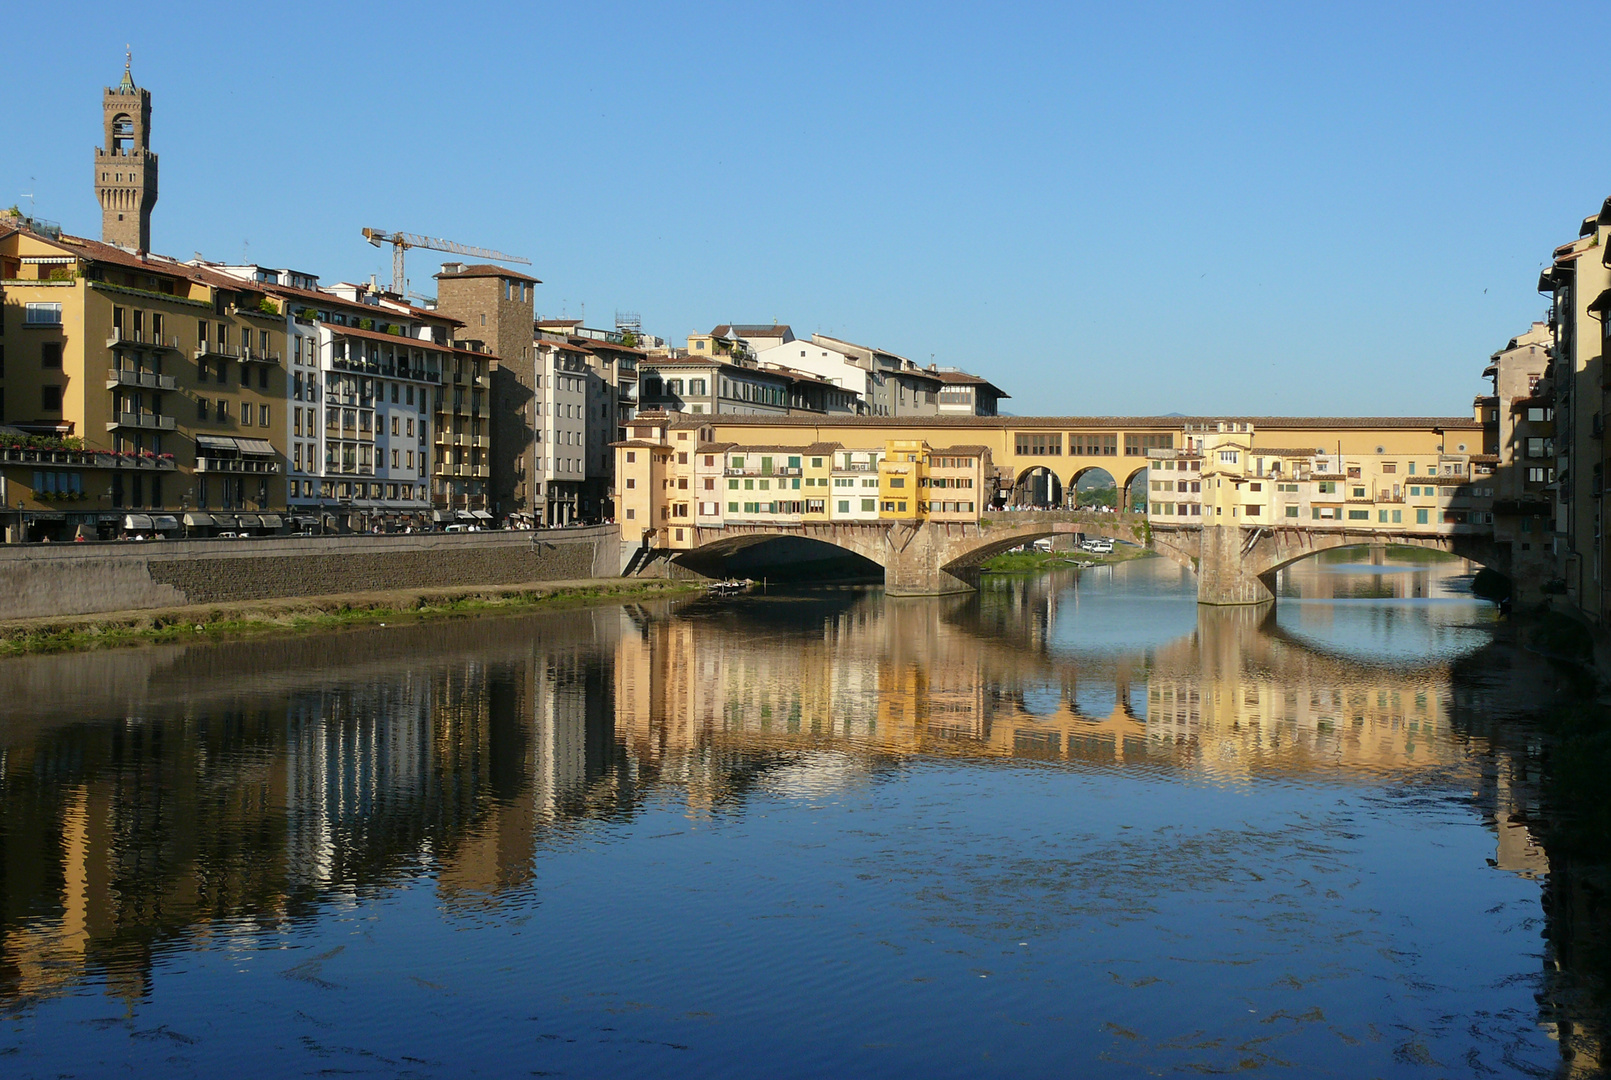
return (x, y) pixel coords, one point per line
(158, 800)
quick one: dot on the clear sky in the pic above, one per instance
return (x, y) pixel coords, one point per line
(1124, 208)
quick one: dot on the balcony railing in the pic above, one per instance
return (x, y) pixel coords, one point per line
(236, 465)
(214, 348)
(259, 356)
(141, 420)
(149, 379)
(94, 459)
(120, 336)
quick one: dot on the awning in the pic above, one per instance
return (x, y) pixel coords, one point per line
(137, 521)
(216, 442)
(164, 521)
(224, 521)
(481, 515)
(250, 521)
(256, 446)
(303, 519)
(198, 519)
(442, 515)
(272, 521)
(465, 515)
(110, 519)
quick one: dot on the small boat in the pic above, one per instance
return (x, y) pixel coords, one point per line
(729, 586)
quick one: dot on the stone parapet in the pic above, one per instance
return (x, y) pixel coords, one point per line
(51, 580)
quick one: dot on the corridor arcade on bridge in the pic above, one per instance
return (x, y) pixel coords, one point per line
(929, 499)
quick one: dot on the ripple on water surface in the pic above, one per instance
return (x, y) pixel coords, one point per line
(1070, 825)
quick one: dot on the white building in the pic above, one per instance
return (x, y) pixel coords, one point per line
(559, 426)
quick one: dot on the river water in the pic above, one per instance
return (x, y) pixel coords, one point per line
(1072, 825)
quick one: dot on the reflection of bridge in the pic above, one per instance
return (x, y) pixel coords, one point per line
(1234, 564)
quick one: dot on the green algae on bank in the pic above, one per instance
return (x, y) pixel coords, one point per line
(300, 615)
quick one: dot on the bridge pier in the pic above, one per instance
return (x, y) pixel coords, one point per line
(1223, 577)
(914, 565)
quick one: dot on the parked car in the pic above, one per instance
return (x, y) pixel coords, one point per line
(230, 536)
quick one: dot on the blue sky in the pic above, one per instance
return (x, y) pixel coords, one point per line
(1128, 208)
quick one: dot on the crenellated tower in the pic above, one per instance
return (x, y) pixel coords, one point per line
(125, 167)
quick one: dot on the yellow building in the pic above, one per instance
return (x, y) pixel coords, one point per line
(154, 385)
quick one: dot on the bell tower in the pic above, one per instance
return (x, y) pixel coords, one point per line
(125, 167)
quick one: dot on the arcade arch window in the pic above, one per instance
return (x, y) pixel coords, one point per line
(122, 133)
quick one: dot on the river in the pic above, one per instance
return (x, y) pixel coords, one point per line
(1072, 825)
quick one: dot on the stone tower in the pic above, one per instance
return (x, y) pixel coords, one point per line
(125, 167)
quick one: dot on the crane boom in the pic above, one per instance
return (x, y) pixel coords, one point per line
(402, 241)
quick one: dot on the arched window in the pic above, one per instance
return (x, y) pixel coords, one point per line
(122, 133)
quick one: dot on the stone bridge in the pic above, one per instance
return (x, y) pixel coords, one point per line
(1234, 564)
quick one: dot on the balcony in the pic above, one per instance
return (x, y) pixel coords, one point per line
(259, 356)
(237, 465)
(147, 379)
(215, 348)
(150, 421)
(143, 338)
(94, 459)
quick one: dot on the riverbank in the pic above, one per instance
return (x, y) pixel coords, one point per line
(197, 622)
(1034, 562)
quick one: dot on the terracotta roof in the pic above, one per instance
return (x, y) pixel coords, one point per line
(481, 270)
(964, 449)
(592, 344)
(714, 447)
(565, 345)
(644, 444)
(108, 253)
(331, 300)
(962, 378)
(394, 339)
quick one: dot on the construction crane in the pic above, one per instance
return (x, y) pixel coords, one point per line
(401, 242)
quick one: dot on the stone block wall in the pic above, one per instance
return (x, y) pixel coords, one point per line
(49, 580)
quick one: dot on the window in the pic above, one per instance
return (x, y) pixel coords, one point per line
(50, 398)
(869, 505)
(1136, 445)
(1093, 445)
(223, 409)
(1420, 517)
(42, 315)
(263, 415)
(844, 506)
(1036, 444)
(246, 414)
(1292, 511)
(50, 355)
(201, 409)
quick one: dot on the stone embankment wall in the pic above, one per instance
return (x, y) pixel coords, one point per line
(50, 580)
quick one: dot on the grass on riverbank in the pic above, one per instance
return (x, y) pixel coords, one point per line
(1034, 562)
(223, 621)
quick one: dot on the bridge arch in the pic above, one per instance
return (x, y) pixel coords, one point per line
(1090, 473)
(1281, 549)
(1038, 486)
(1130, 493)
